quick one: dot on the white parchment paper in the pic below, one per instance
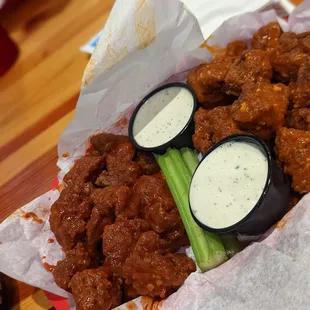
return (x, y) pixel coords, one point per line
(144, 44)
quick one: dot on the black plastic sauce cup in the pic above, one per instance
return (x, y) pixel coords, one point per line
(273, 201)
(181, 139)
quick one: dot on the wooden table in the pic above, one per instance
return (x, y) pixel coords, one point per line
(37, 100)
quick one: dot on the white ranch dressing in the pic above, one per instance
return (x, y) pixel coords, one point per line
(228, 184)
(163, 116)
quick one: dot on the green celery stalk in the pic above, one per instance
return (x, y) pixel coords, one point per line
(190, 158)
(231, 244)
(207, 247)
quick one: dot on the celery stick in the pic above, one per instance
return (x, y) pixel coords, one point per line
(190, 159)
(231, 244)
(207, 247)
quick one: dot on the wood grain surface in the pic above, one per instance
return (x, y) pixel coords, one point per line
(37, 100)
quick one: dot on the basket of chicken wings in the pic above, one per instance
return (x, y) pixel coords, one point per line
(116, 217)
(184, 175)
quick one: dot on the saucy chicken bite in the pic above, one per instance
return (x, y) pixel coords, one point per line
(207, 80)
(304, 41)
(157, 204)
(291, 41)
(116, 200)
(77, 259)
(95, 289)
(69, 215)
(293, 150)
(121, 169)
(110, 202)
(153, 273)
(147, 162)
(267, 37)
(236, 48)
(104, 143)
(222, 123)
(300, 90)
(286, 65)
(252, 66)
(159, 210)
(288, 42)
(213, 125)
(119, 240)
(298, 119)
(261, 105)
(86, 169)
(202, 138)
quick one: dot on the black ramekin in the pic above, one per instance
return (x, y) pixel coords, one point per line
(182, 139)
(272, 203)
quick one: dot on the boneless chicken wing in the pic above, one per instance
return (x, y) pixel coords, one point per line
(105, 143)
(147, 162)
(298, 119)
(153, 273)
(304, 41)
(96, 289)
(261, 105)
(222, 123)
(121, 169)
(252, 66)
(119, 200)
(207, 80)
(160, 211)
(110, 202)
(300, 90)
(158, 206)
(267, 37)
(213, 125)
(69, 215)
(152, 190)
(289, 41)
(236, 48)
(293, 150)
(118, 241)
(202, 137)
(286, 65)
(84, 170)
(77, 259)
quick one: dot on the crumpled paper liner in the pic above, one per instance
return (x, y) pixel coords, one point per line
(144, 44)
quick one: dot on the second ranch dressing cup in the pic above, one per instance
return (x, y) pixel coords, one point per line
(238, 187)
(164, 118)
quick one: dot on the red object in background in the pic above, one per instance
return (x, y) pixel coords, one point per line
(8, 52)
(11, 4)
(59, 303)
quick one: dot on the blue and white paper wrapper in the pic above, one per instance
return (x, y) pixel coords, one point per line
(90, 46)
(145, 43)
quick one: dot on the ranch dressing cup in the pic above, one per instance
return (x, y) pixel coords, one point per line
(164, 118)
(238, 187)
